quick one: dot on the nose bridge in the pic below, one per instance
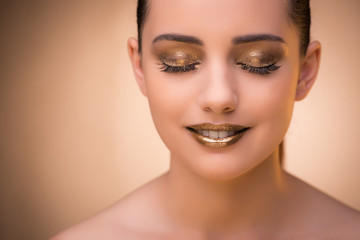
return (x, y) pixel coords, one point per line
(218, 94)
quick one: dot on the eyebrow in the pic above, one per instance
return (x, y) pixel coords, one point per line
(236, 40)
(179, 38)
(256, 38)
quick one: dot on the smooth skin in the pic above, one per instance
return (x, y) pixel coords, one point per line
(236, 192)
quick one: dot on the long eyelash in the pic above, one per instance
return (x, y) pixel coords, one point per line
(175, 69)
(259, 70)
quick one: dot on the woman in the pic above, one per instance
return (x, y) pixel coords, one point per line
(221, 78)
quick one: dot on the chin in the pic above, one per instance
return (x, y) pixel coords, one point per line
(219, 166)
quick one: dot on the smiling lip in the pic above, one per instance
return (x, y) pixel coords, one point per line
(217, 136)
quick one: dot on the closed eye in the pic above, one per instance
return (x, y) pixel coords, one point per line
(259, 70)
(176, 69)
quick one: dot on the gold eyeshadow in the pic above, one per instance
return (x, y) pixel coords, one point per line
(259, 54)
(178, 54)
(257, 57)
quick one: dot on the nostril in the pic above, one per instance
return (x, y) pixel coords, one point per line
(224, 110)
(228, 109)
(207, 109)
(220, 101)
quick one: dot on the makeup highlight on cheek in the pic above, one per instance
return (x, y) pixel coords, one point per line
(178, 57)
(260, 57)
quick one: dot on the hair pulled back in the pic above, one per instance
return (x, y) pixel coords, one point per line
(299, 14)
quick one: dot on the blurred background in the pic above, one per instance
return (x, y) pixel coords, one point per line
(69, 108)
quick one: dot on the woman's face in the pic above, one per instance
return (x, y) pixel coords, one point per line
(221, 79)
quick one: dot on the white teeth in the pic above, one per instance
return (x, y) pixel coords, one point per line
(213, 134)
(205, 133)
(216, 134)
(223, 134)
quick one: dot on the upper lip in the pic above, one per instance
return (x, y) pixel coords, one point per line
(217, 127)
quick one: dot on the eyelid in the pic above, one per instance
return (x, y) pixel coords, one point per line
(179, 62)
(176, 50)
(260, 54)
(259, 70)
(177, 59)
(258, 59)
(177, 69)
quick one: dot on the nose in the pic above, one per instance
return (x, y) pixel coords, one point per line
(219, 94)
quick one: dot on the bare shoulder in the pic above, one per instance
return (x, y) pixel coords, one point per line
(105, 225)
(129, 218)
(325, 215)
(97, 227)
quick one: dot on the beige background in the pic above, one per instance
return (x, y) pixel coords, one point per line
(76, 134)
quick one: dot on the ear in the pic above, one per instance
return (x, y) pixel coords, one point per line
(308, 71)
(135, 58)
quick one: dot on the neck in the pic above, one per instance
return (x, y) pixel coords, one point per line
(250, 199)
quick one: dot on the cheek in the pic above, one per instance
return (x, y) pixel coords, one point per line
(271, 98)
(270, 104)
(169, 94)
(169, 99)
(165, 95)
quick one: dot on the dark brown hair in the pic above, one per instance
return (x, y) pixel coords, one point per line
(299, 14)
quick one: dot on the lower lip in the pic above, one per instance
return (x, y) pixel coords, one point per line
(218, 142)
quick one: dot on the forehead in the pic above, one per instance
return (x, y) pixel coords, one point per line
(217, 19)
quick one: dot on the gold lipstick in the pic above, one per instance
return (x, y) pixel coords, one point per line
(217, 136)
